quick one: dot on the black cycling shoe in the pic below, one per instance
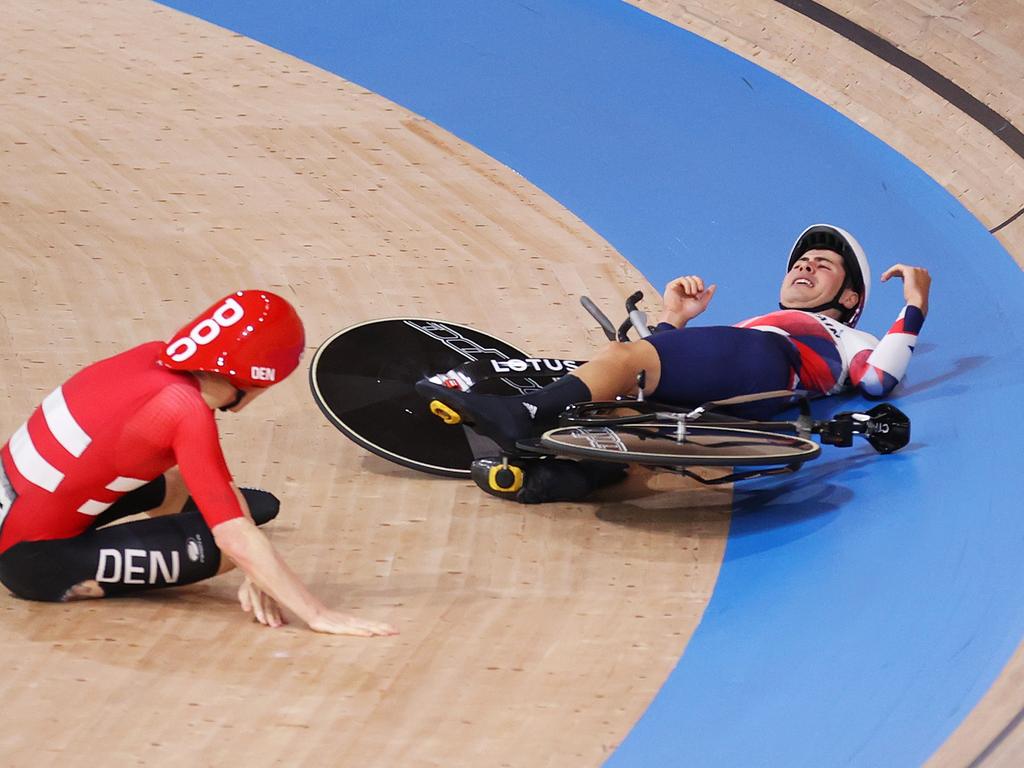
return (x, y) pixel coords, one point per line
(263, 505)
(503, 419)
(535, 481)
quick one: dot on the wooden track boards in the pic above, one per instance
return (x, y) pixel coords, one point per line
(153, 163)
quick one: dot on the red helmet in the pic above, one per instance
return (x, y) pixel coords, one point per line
(253, 338)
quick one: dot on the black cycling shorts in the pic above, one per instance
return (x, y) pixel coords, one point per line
(166, 551)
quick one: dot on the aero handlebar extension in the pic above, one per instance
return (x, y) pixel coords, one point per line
(636, 318)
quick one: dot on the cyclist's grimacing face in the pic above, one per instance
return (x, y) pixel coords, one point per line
(815, 279)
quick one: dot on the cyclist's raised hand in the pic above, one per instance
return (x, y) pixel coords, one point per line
(916, 284)
(684, 299)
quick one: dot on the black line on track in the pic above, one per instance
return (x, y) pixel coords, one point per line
(1000, 127)
(1010, 220)
(1003, 734)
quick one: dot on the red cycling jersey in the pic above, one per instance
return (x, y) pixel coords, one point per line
(111, 428)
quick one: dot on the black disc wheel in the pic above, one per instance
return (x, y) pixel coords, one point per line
(363, 380)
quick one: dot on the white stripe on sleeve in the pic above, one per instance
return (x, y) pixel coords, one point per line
(93, 508)
(32, 466)
(125, 484)
(63, 425)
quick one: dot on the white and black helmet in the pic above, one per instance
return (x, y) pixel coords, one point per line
(855, 261)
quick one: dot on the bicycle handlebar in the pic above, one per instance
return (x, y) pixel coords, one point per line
(601, 317)
(636, 318)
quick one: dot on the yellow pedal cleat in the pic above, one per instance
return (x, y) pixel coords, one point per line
(505, 478)
(444, 413)
(536, 480)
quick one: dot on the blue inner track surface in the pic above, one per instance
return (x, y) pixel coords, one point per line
(865, 604)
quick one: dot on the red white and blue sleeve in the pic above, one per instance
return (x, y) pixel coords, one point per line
(877, 371)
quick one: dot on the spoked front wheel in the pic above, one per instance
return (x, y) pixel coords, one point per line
(666, 445)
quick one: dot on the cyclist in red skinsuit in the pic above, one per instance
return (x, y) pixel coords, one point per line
(137, 420)
(136, 432)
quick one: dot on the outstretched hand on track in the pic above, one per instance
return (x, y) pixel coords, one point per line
(262, 606)
(335, 623)
(266, 611)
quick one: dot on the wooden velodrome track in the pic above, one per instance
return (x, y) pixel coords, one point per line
(151, 162)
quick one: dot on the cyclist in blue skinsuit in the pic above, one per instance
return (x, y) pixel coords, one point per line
(810, 343)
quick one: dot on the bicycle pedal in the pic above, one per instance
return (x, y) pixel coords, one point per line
(505, 479)
(497, 477)
(445, 413)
